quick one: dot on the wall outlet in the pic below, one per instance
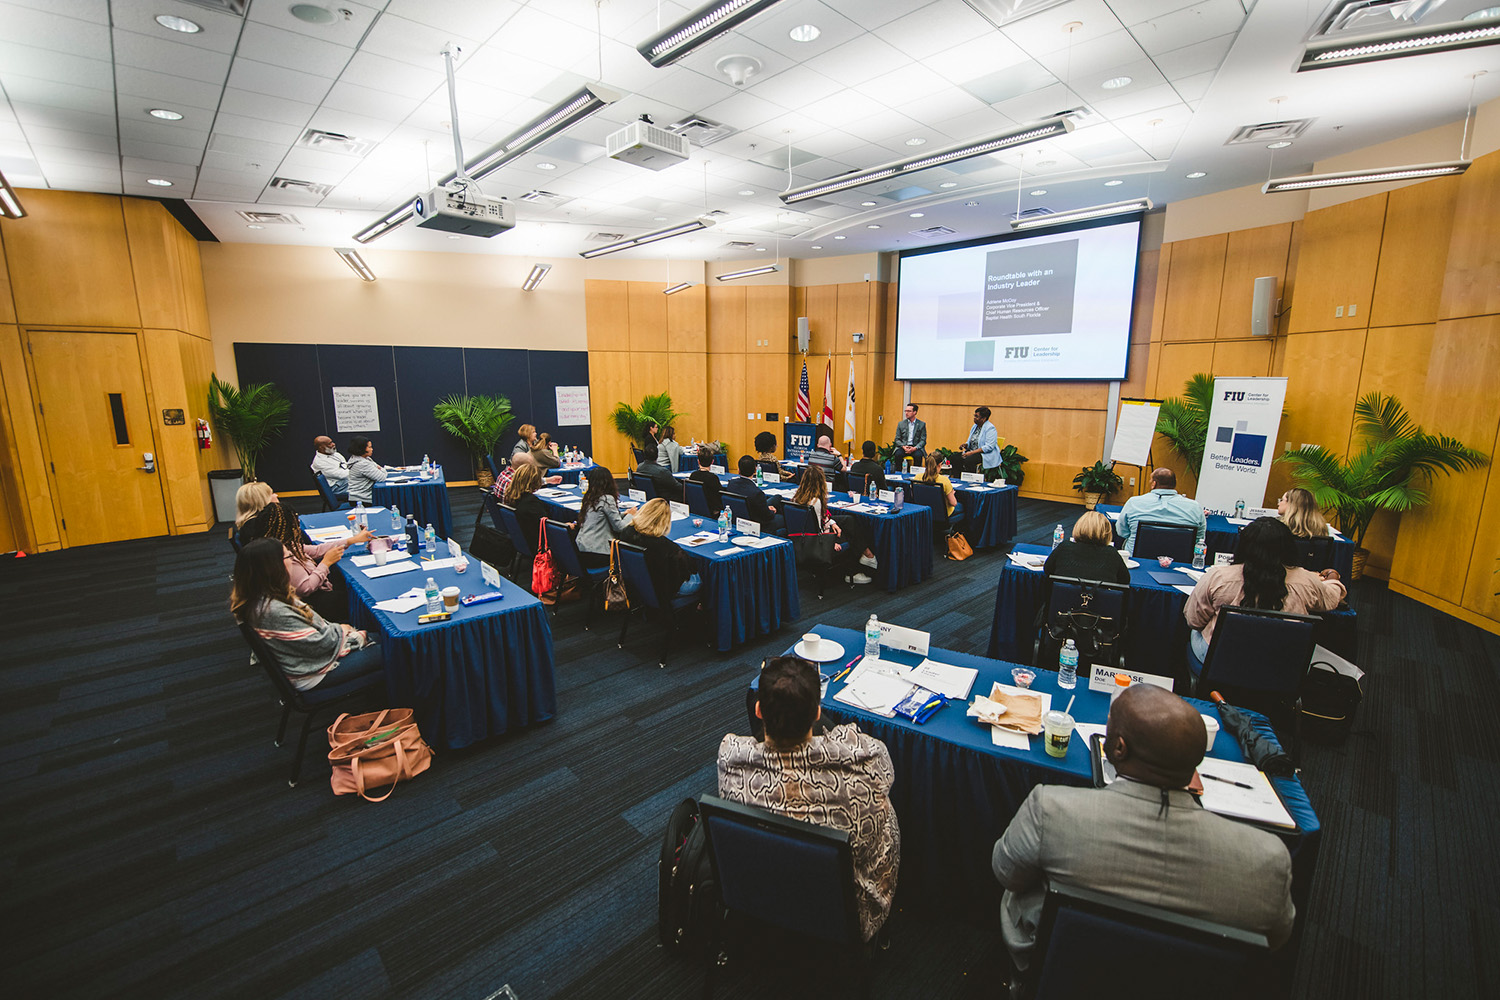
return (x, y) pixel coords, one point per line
(1132, 480)
(1352, 308)
(1338, 312)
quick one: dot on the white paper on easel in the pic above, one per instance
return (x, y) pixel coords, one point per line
(1133, 432)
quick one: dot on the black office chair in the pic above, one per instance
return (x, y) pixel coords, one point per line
(1094, 614)
(642, 595)
(507, 521)
(331, 500)
(1315, 553)
(785, 874)
(1154, 951)
(565, 554)
(1259, 659)
(309, 702)
(1154, 539)
(697, 499)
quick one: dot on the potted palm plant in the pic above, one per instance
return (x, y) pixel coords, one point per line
(250, 418)
(477, 422)
(1392, 470)
(1097, 482)
(632, 421)
(1183, 421)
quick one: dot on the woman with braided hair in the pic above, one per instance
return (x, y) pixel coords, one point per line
(307, 566)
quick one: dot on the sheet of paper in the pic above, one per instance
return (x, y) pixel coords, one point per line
(1222, 793)
(336, 533)
(490, 574)
(363, 561)
(1196, 574)
(437, 564)
(401, 605)
(944, 678)
(678, 509)
(766, 541)
(874, 692)
(1113, 515)
(1186, 588)
(1241, 521)
(731, 550)
(746, 526)
(570, 504)
(390, 569)
(1087, 729)
(1009, 738)
(454, 550)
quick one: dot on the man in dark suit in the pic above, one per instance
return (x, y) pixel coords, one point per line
(708, 479)
(760, 508)
(666, 487)
(870, 466)
(911, 436)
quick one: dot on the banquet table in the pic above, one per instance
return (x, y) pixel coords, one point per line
(486, 671)
(901, 538)
(989, 511)
(1158, 634)
(955, 791)
(571, 472)
(746, 593)
(425, 499)
(1223, 533)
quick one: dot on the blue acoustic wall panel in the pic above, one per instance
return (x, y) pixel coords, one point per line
(550, 369)
(502, 372)
(292, 368)
(425, 375)
(355, 365)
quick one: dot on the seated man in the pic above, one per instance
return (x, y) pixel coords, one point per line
(760, 508)
(1143, 837)
(869, 465)
(328, 461)
(841, 779)
(708, 479)
(825, 457)
(911, 436)
(1163, 505)
(666, 487)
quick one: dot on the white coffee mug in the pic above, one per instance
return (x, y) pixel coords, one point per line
(811, 641)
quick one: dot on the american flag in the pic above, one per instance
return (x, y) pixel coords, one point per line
(804, 405)
(826, 416)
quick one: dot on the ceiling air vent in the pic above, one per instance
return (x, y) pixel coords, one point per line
(1032, 213)
(235, 7)
(551, 199)
(604, 237)
(1269, 131)
(739, 244)
(269, 218)
(301, 187)
(934, 232)
(701, 131)
(717, 213)
(334, 142)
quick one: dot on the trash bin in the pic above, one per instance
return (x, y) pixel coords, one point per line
(225, 483)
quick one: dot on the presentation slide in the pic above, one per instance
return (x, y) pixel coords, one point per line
(1054, 305)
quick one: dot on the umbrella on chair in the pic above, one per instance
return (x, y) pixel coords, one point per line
(1261, 751)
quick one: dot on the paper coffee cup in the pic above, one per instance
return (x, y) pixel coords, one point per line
(450, 598)
(381, 555)
(812, 641)
(1212, 725)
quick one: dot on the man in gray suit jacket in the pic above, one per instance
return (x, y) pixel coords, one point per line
(1144, 837)
(911, 437)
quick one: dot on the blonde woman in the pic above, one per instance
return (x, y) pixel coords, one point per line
(249, 500)
(521, 494)
(1299, 511)
(1090, 554)
(931, 476)
(527, 435)
(671, 572)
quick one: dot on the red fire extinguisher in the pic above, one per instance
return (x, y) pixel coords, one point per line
(205, 436)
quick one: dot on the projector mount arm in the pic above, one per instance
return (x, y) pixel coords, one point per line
(461, 178)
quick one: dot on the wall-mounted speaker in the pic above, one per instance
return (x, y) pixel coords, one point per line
(1263, 308)
(804, 336)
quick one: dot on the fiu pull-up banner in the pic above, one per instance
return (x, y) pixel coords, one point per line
(1242, 427)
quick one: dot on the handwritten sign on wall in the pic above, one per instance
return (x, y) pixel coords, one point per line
(355, 409)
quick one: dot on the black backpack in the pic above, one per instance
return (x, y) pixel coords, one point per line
(687, 903)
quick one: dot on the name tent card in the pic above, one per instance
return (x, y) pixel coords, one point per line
(639, 496)
(717, 470)
(490, 574)
(679, 509)
(908, 640)
(745, 526)
(1103, 679)
(889, 496)
(1253, 512)
(971, 477)
(455, 550)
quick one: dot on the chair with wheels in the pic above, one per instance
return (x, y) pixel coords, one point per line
(1094, 614)
(1137, 944)
(565, 553)
(309, 702)
(778, 874)
(697, 499)
(640, 456)
(1154, 539)
(1259, 659)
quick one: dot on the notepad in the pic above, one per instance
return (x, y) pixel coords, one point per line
(363, 561)
(944, 678)
(731, 550)
(337, 533)
(1167, 578)
(1259, 803)
(400, 605)
(390, 569)
(874, 692)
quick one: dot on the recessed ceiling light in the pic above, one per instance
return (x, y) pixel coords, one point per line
(804, 33)
(1197, 174)
(544, 165)
(916, 215)
(760, 249)
(747, 192)
(312, 13)
(159, 182)
(817, 246)
(660, 218)
(1113, 184)
(454, 237)
(948, 184)
(1116, 82)
(1038, 192)
(872, 226)
(254, 225)
(1279, 144)
(916, 140)
(178, 23)
(164, 114)
(840, 237)
(867, 204)
(1047, 163)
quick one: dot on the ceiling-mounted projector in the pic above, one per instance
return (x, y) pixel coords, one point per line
(648, 145)
(461, 208)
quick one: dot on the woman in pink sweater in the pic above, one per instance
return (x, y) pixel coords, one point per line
(307, 566)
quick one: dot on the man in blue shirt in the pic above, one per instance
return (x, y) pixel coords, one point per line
(1163, 505)
(982, 449)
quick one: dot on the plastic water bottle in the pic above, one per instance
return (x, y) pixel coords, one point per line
(872, 638)
(429, 539)
(395, 514)
(872, 488)
(1067, 666)
(1057, 536)
(725, 520)
(760, 475)
(361, 517)
(906, 466)
(434, 597)
(1122, 681)
(1200, 552)
(1239, 508)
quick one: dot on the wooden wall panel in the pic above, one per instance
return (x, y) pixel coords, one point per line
(1336, 265)
(768, 319)
(194, 294)
(649, 372)
(765, 392)
(853, 317)
(607, 307)
(1159, 297)
(26, 439)
(609, 384)
(1194, 280)
(1414, 252)
(1462, 372)
(197, 364)
(1482, 588)
(687, 381)
(821, 307)
(726, 398)
(1395, 362)
(726, 320)
(877, 332)
(1322, 382)
(687, 320)
(1180, 362)
(1145, 296)
(648, 316)
(1242, 357)
(177, 445)
(7, 305)
(160, 287)
(1137, 383)
(1251, 254)
(1471, 283)
(69, 262)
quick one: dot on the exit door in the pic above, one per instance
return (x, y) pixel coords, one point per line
(94, 420)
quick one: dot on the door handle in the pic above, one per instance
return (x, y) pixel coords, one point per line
(150, 461)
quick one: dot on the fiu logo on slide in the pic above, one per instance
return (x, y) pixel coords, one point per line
(1016, 352)
(1238, 397)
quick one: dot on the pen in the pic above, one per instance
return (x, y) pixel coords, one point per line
(1227, 781)
(848, 667)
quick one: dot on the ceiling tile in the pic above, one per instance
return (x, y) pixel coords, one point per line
(45, 64)
(74, 138)
(474, 18)
(278, 81)
(900, 86)
(976, 58)
(158, 168)
(743, 111)
(417, 44)
(33, 115)
(705, 60)
(1136, 11)
(380, 73)
(1044, 31)
(773, 29)
(872, 13)
(47, 156)
(347, 123)
(841, 110)
(690, 89)
(151, 53)
(862, 59)
(796, 87)
(294, 51)
(1087, 60)
(221, 31)
(173, 134)
(515, 73)
(538, 35)
(1203, 57)
(1189, 25)
(96, 11)
(256, 128)
(160, 151)
(48, 93)
(930, 30)
(52, 29)
(1193, 88)
(345, 31)
(1137, 100)
(271, 109)
(160, 90)
(345, 96)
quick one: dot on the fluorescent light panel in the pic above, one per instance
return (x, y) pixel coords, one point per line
(1083, 214)
(938, 158)
(1401, 42)
(10, 205)
(682, 229)
(1378, 175)
(538, 272)
(589, 100)
(681, 286)
(748, 273)
(698, 28)
(356, 262)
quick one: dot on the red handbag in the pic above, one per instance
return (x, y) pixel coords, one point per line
(544, 575)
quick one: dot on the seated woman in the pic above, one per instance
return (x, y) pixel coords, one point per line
(1264, 574)
(599, 520)
(521, 494)
(307, 566)
(249, 500)
(932, 476)
(526, 437)
(307, 647)
(1089, 554)
(671, 570)
(1299, 511)
(668, 451)
(854, 537)
(545, 452)
(364, 471)
(766, 457)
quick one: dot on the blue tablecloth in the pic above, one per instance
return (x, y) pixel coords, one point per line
(901, 539)
(486, 671)
(571, 474)
(1157, 639)
(688, 460)
(955, 792)
(426, 499)
(1222, 536)
(989, 515)
(745, 594)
